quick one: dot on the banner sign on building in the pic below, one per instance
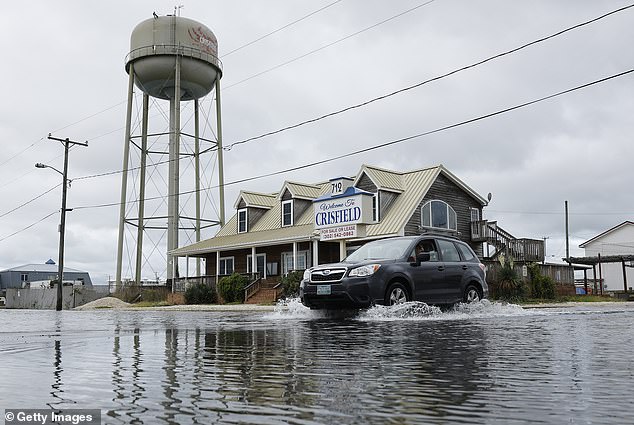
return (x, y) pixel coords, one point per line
(342, 232)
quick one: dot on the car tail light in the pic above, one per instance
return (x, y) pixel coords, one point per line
(483, 268)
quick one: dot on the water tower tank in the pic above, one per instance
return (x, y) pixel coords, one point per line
(154, 45)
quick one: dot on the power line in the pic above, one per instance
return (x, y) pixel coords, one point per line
(389, 143)
(439, 77)
(27, 227)
(28, 202)
(280, 29)
(327, 45)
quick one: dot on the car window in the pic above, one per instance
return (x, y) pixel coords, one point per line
(466, 252)
(448, 251)
(426, 245)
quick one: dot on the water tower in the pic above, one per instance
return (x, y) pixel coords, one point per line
(171, 59)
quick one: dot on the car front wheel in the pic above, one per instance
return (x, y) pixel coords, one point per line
(471, 294)
(397, 294)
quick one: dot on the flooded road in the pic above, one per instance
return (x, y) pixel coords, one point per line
(479, 364)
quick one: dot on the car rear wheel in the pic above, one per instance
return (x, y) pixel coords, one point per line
(471, 294)
(397, 294)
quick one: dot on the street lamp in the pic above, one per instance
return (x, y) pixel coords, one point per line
(62, 227)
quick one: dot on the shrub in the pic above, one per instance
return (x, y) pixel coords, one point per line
(541, 286)
(199, 293)
(509, 285)
(231, 288)
(290, 284)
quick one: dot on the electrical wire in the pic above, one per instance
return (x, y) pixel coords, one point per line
(280, 29)
(327, 45)
(27, 227)
(389, 143)
(439, 77)
(28, 202)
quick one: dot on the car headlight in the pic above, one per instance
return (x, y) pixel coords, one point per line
(367, 270)
(307, 274)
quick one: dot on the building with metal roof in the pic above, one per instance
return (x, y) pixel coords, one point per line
(305, 224)
(23, 276)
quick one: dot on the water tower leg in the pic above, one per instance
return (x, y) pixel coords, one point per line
(197, 177)
(221, 175)
(141, 224)
(124, 178)
(173, 175)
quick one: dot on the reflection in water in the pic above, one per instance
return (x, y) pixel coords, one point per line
(452, 367)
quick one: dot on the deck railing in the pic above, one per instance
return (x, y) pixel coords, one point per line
(505, 243)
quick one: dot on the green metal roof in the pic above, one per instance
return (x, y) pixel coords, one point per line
(411, 188)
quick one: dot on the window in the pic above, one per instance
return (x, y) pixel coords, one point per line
(475, 214)
(375, 207)
(287, 213)
(242, 220)
(438, 214)
(467, 254)
(226, 266)
(448, 251)
(261, 264)
(287, 261)
(24, 277)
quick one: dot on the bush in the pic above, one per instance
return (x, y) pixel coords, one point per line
(290, 284)
(199, 293)
(231, 288)
(509, 285)
(541, 286)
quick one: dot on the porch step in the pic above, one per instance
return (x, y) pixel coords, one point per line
(263, 296)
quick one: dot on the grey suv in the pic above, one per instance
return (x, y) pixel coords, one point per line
(434, 269)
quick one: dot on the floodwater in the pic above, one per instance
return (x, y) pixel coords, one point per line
(479, 364)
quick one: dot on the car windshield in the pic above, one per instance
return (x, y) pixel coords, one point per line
(387, 249)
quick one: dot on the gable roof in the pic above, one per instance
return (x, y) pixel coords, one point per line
(601, 235)
(301, 190)
(412, 187)
(256, 200)
(383, 179)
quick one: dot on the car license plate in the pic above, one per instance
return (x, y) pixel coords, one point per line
(323, 290)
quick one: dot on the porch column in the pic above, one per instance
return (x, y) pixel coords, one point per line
(315, 252)
(342, 249)
(217, 266)
(186, 267)
(294, 255)
(254, 261)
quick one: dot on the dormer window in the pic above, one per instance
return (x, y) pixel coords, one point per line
(439, 215)
(242, 220)
(287, 213)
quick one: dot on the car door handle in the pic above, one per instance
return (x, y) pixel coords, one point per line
(464, 267)
(441, 268)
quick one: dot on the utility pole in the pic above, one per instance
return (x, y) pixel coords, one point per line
(567, 237)
(62, 226)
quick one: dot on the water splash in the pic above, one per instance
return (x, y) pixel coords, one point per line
(421, 311)
(292, 308)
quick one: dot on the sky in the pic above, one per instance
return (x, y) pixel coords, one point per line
(285, 62)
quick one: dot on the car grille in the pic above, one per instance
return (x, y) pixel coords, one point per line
(327, 275)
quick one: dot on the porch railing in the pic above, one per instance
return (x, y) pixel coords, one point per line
(253, 287)
(520, 249)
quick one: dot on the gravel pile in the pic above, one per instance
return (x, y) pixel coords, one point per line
(107, 302)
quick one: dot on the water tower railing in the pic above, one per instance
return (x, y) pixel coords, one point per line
(173, 49)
